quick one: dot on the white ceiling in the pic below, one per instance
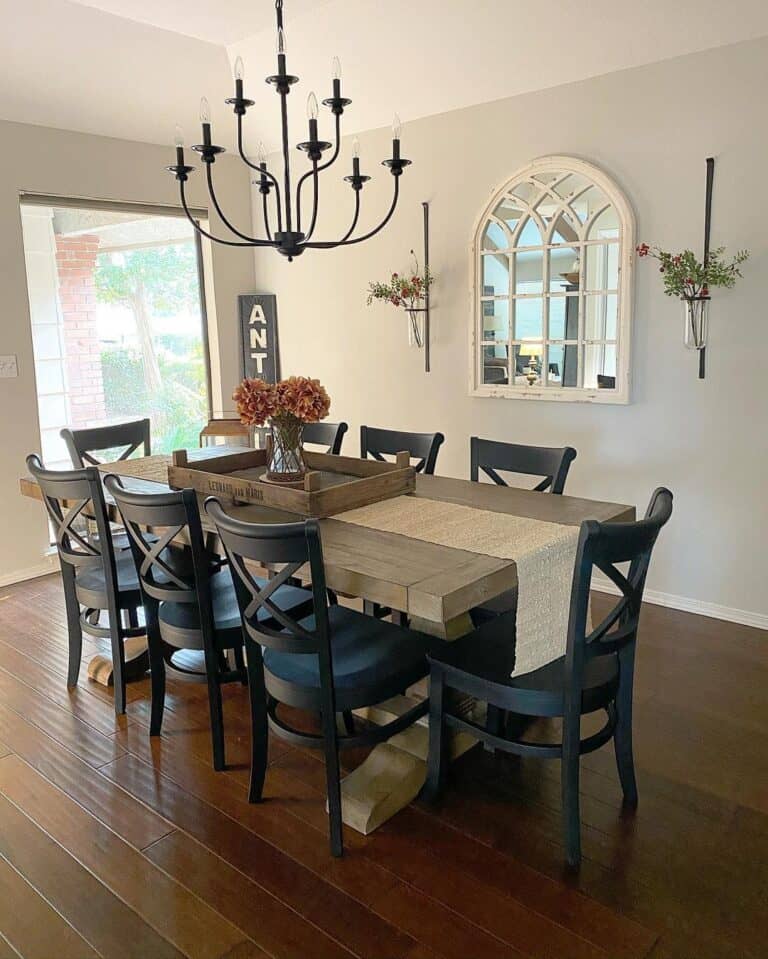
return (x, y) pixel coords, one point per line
(135, 68)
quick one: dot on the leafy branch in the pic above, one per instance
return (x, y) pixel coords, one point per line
(687, 277)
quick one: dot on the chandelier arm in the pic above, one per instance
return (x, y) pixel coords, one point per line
(265, 208)
(309, 173)
(320, 245)
(200, 230)
(351, 230)
(257, 168)
(313, 221)
(244, 236)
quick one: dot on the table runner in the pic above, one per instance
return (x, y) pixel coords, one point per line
(543, 552)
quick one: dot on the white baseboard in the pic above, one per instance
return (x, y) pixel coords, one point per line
(728, 613)
(49, 565)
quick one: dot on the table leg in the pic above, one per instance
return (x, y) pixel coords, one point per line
(395, 771)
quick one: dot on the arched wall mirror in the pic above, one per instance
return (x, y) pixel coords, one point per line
(552, 293)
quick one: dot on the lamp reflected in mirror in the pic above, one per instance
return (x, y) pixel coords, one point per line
(533, 351)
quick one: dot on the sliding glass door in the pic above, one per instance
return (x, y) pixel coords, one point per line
(118, 322)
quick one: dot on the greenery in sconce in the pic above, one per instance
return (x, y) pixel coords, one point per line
(407, 290)
(689, 278)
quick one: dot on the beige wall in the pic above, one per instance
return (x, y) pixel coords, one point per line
(42, 160)
(651, 128)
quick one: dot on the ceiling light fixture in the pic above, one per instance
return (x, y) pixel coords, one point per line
(289, 238)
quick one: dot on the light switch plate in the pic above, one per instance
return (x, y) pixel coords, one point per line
(8, 366)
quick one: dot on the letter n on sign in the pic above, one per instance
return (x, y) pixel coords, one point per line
(258, 336)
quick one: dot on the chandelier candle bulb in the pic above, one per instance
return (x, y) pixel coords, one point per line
(239, 78)
(281, 47)
(205, 119)
(356, 157)
(336, 71)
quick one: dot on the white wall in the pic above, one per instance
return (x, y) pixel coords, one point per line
(41, 160)
(651, 128)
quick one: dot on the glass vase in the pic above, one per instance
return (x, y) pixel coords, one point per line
(696, 313)
(285, 463)
(416, 328)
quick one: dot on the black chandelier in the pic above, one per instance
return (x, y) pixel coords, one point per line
(289, 238)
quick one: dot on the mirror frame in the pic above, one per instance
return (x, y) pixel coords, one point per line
(626, 216)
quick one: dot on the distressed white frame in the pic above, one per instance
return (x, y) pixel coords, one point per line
(566, 166)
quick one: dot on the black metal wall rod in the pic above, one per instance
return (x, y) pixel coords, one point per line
(288, 238)
(707, 230)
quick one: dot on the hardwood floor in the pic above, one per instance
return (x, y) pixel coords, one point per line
(113, 845)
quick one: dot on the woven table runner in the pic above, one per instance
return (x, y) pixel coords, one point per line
(544, 554)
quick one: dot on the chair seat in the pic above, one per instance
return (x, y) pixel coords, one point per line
(91, 589)
(180, 622)
(484, 660)
(372, 661)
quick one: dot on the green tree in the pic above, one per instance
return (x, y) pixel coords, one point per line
(151, 281)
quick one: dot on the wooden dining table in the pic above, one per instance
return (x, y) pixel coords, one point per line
(434, 585)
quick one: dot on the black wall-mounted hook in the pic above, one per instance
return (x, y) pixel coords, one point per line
(707, 230)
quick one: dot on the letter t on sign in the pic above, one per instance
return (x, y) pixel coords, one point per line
(258, 329)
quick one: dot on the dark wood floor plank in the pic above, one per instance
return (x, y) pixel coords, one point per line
(320, 902)
(130, 819)
(280, 931)
(183, 919)
(57, 723)
(32, 926)
(101, 918)
(500, 893)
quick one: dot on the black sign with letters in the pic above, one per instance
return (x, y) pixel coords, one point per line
(258, 336)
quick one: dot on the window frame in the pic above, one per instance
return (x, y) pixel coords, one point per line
(624, 291)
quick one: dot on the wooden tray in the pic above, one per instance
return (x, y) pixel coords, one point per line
(332, 484)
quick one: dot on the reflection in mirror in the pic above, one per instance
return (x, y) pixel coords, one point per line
(528, 358)
(530, 234)
(495, 274)
(565, 229)
(509, 212)
(601, 266)
(600, 316)
(564, 265)
(494, 237)
(528, 318)
(564, 317)
(600, 366)
(496, 365)
(571, 184)
(526, 191)
(495, 319)
(605, 225)
(529, 272)
(587, 202)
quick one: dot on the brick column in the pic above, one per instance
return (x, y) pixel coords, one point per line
(76, 264)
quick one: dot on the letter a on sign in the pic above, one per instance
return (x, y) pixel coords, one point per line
(258, 336)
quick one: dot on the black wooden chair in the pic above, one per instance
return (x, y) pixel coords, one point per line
(191, 609)
(490, 456)
(331, 662)
(120, 439)
(96, 579)
(423, 447)
(596, 672)
(326, 434)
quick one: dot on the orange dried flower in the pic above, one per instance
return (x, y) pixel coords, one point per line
(255, 400)
(304, 398)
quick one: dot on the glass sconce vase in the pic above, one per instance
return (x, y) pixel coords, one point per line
(696, 316)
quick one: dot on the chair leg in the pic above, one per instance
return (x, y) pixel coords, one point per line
(438, 738)
(259, 724)
(237, 652)
(74, 629)
(622, 736)
(217, 719)
(349, 722)
(569, 786)
(157, 679)
(333, 780)
(118, 662)
(495, 722)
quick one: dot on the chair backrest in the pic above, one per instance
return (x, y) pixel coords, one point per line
(68, 496)
(125, 438)
(326, 434)
(550, 463)
(603, 546)
(291, 545)
(424, 447)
